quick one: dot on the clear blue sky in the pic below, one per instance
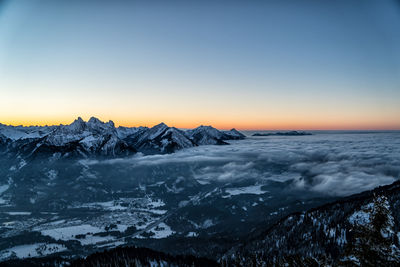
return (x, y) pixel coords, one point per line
(245, 64)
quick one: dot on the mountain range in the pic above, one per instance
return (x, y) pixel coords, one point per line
(95, 137)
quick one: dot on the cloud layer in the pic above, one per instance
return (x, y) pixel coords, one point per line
(332, 164)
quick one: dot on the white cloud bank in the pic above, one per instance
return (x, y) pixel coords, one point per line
(334, 164)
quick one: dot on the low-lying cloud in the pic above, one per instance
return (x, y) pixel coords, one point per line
(334, 164)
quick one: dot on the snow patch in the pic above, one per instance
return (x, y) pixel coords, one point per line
(192, 234)
(71, 232)
(31, 250)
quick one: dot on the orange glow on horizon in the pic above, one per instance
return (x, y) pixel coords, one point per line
(273, 124)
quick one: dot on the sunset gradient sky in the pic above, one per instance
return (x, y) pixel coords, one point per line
(260, 65)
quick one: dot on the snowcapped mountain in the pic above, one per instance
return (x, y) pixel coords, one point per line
(82, 138)
(233, 134)
(86, 133)
(124, 132)
(95, 137)
(21, 132)
(160, 138)
(207, 135)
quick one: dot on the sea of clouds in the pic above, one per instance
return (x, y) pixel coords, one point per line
(337, 164)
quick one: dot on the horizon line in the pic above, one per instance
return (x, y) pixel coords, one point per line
(221, 128)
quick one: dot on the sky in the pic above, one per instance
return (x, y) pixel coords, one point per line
(245, 64)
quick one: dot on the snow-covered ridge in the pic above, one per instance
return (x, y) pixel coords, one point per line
(97, 137)
(24, 132)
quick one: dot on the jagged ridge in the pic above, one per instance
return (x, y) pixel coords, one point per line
(95, 137)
